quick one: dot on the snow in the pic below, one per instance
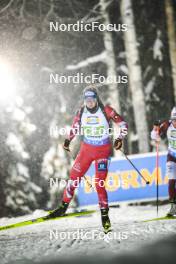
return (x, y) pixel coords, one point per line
(18, 114)
(19, 188)
(133, 137)
(123, 68)
(94, 59)
(61, 239)
(14, 142)
(149, 88)
(29, 33)
(157, 47)
(23, 170)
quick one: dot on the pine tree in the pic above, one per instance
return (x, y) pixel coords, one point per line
(20, 191)
(56, 164)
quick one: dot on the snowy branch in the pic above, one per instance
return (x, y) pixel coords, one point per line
(22, 9)
(106, 3)
(94, 59)
(86, 18)
(99, 16)
(50, 11)
(6, 7)
(92, 19)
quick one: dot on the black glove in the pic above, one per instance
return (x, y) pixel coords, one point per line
(118, 143)
(157, 123)
(66, 144)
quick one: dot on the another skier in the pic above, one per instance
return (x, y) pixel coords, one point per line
(168, 128)
(93, 119)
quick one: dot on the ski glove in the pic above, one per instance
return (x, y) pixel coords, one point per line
(66, 144)
(118, 143)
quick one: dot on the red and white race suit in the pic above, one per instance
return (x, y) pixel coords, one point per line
(95, 146)
(167, 128)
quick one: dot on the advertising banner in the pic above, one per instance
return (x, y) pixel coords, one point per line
(124, 183)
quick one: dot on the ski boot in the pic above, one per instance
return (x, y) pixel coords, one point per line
(60, 211)
(105, 220)
(172, 211)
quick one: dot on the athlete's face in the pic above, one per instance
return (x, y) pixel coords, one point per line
(90, 102)
(174, 123)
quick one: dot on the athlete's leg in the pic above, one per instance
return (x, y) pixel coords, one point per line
(171, 173)
(101, 166)
(80, 166)
(172, 190)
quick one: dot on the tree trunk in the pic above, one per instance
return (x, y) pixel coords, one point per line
(135, 76)
(110, 58)
(171, 39)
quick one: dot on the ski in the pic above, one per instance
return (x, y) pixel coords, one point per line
(44, 218)
(161, 218)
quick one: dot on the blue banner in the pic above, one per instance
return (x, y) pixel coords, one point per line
(123, 182)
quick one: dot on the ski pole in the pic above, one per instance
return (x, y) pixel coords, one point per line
(157, 174)
(88, 182)
(147, 182)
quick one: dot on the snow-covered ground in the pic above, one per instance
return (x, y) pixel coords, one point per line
(83, 236)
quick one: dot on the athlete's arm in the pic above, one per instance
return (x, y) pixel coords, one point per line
(163, 128)
(116, 118)
(73, 131)
(75, 126)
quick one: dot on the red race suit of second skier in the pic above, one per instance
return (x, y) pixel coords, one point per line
(168, 128)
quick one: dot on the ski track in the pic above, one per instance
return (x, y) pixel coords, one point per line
(34, 243)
